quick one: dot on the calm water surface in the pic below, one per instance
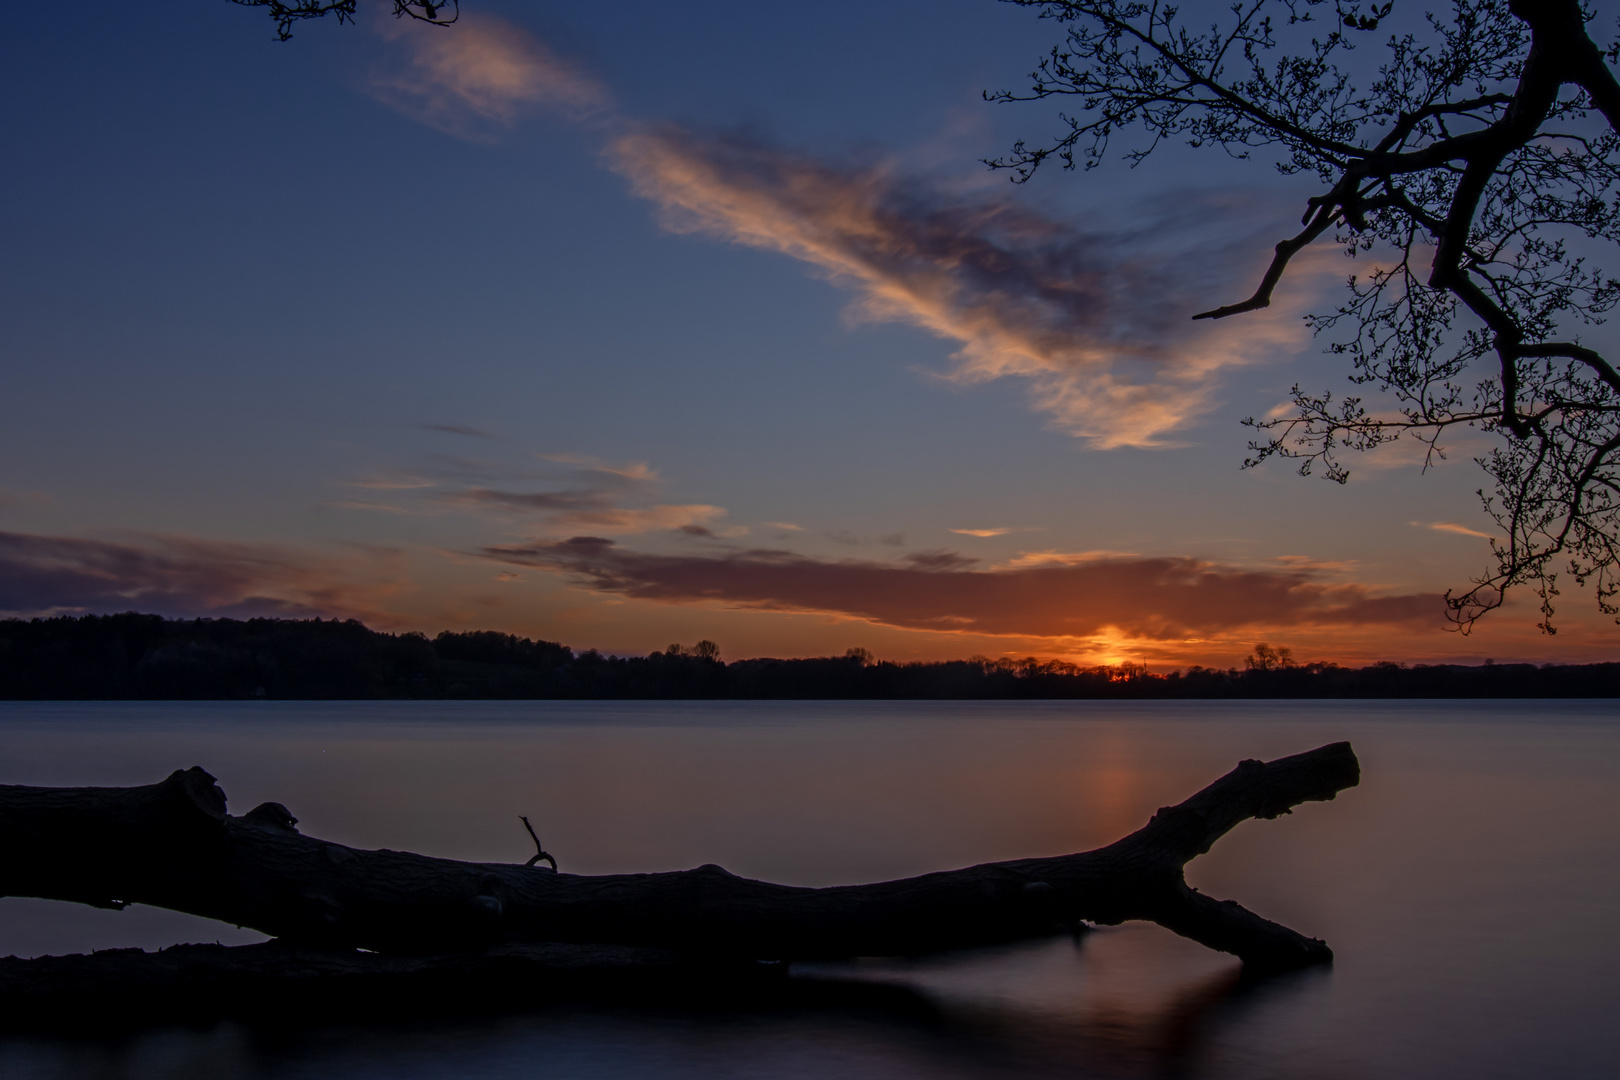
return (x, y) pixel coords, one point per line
(1469, 886)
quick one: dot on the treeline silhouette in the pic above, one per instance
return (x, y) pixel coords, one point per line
(134, 656)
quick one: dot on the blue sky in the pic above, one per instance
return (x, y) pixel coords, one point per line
(373, 322)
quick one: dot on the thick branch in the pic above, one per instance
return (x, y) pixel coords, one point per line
(172, 845)
(1562, 24)
(1590, 357)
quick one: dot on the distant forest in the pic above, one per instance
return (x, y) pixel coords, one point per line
(132, 656)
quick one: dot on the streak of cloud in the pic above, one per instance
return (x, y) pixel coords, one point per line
(632, 470)
(458, 429)
(1098, 325)
(982, 534)
(568, 494)
(1149, 598)
(186, 576)
(565, 501)
(1319, 566)
(478, 78)
(392, 483)
(1451, 527)
(1025, 560)
(590, 508)
(646, 519)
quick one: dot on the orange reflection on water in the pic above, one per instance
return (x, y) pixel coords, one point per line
(1108, 789)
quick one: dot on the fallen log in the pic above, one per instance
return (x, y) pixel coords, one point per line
(173, 845)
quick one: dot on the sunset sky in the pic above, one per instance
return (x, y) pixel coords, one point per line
(624, 324)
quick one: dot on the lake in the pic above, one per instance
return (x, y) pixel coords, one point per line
(1469, 886)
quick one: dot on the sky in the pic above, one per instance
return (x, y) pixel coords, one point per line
(623, 325)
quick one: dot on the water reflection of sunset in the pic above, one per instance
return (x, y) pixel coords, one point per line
(1108, 786)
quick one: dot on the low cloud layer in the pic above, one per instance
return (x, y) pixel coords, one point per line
(1152, 598)
(1096, 320)
(478, 77)
(182, 576)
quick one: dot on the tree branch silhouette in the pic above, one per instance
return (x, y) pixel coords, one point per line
(287, 12)
(1483, 143)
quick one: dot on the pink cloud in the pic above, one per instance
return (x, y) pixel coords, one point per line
(1096, 322)
(479, 77)
(1451, 527)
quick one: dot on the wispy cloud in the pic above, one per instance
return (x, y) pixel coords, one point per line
(1450, 527)
(392, 482)
(983, 534)
(632, 470)
(621, 521)
(1026, 559)
(478, 77)
(1149, 598)
(614, 499)
(569, 510)
(186, 576)
(563, 501)
(458, 429)
(1325, 566)
(552, 494)
(1095, 320)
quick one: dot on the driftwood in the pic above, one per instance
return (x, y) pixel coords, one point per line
(343, 913)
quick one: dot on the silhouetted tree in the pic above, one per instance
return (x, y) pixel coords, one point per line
(1475, 162)
(1265, 658)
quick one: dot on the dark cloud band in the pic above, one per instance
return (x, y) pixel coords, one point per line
(178, 576)
(1161, 598)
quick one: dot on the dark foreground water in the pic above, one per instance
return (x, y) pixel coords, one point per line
(1470, 886)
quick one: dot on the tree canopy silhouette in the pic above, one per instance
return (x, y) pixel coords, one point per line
(1472, 163)
(147, 657)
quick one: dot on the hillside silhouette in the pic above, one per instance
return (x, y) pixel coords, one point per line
(147, 657)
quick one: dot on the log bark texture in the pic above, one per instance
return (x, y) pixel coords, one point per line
(173, 845)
